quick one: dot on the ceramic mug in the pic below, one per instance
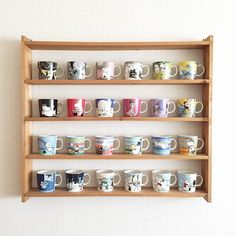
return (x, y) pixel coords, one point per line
(47, 144)
(134, 70)
(105, 70)
(46, 180)
(187, 107)
(134, 144)
(106, 180)
(162, 70)
(76, 107)
(188, 70)
(132, 107)
(188, 145)
(162, 144)
(105, 107)
(105, 145)
(77, 70)
(49, 107)
(75, 180)
(75, 145)
(187, 181)
(48, 70)
(134, 180)
(161, 180)
(160, 107)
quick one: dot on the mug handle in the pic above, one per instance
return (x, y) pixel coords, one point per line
(174, 107)
(58, 175)
(60, 68)
(203, 70)
(60, 140)
(90, 144)
(200, 108)
(201, 181)
(148, 144)
(144, 175)
(119, 179)
(175, 144)
(90, 107)
(176, 71)
(61, 108)
(146, 107)
(89, 179)
(147, 67)
(119, 71)
(199, 148)
(175, 179)
(90, 73)
(115, 111)
(118, 146)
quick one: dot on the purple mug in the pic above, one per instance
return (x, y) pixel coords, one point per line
(132, 107)
(160, 107)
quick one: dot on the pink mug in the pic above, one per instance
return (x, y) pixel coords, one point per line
(132, 107)
(76, 107)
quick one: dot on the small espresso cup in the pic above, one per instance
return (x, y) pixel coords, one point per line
(134, 180)
(134, 144)
(187, 107)
(162, 70)
(49, 107)
(76, 107)
(162, 144)
(75, 180)
(75, 145)
(134, 70)
(105, 70)
(188, 70)
(105, 145)
(105, 107)
(47, 144)
(106, 180)
(161, 180)
(160, 107)
(46, 180)
(187, 181)
(188, 145)
(48, 70)
(132, 107)
(77, 70)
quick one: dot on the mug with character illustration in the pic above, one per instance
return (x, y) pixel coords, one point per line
(76, 107)
(49, 107)
(47, 144)
(160, 107)
(132, 107)
(187, 107)
(188, 70)
(105, 107)
(135, 145)
(48, 70)
(134, 70)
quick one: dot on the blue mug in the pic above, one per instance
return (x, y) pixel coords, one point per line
(47, 144)
(46, 180)
(162, 144)
(135, 144)
(105, 107)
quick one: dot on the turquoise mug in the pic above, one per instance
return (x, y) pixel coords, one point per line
(134, 144)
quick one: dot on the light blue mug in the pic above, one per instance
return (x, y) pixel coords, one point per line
(134, 144)
(162, 144)
(47, 144)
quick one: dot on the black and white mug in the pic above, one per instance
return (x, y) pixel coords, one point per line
(49, 107)
(48, 70)
(77, 70)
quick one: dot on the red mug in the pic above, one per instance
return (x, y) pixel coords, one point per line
(76, 107)
(132, 107)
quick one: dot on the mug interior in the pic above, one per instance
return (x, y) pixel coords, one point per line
(133, 172)
(45, 136)
(74, 172)
(104, 137)
(161, 136)
(186, 172)
(160, 172)
(105, 172)
(40, 172)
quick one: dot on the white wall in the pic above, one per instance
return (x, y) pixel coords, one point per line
(118, 21)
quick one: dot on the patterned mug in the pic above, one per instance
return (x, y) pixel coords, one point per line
(77, 70)
(134, 70)
(132, 107)
(75, 145)
(160, 107)
(188, 70)
(76, 107)
(105, 107)
(48, 70)
(49, 107)
(105, 145)
(47, 144)
(105, 70)
(162, 144)
(162, 70)
(134, 144)
(187, 107)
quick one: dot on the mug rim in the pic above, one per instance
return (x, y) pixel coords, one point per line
(47, 62)
(187, 99)
(45, 135)
(77, 62)
(104, 99)
(158, 99)
(75, 136)
(161, 136)
(40, 172)
(131, 99)
(74, 171)
(156, 171)
(105, 172)
(135, 136)
(68, 99)
(129, 171)
(47, 99)
(105, 136)
(156, 62)
(102, 62)
(187, 136)
(190, 61)
(187, 172)
(132, 62)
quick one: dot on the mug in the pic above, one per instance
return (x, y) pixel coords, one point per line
(105, 145)
(75, 145)
(46, 180)
(162, 144)
(134, 70)
(188, 70)
(48, 70)
(49, 107)
(77, 70)
(162, 70)
(75, 180)
(160, 107)
(47, 144)
(76, 107)
(105, 107)
(132, 107)
(161, 180)
(188, 144)
(134, 145)
(187, 107)
(134, 180)
(187, 181)
(106, 180)
(105, 70)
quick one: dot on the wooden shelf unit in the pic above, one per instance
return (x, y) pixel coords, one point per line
(28, 45)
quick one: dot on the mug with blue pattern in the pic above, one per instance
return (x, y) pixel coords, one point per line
(47, 144)
(162, 144)
(135, 145)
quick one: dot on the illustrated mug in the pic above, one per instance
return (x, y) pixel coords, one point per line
(48, 70)
(105, 145)
(49, 107)
(132, 107)
(134, 70)
(160, 107)
(134, 144)
(75, 180)
(187, 107)
(76, 107)
(162, 144)
(77, 70)
(47, 144)
(106, 180)
(46, 180)
(75, 145)
(105, 107)
(188, 145)
(188, 70)
(162, 70)
(105, 70)
(161, 180)
(134, 180)
(187, 181)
